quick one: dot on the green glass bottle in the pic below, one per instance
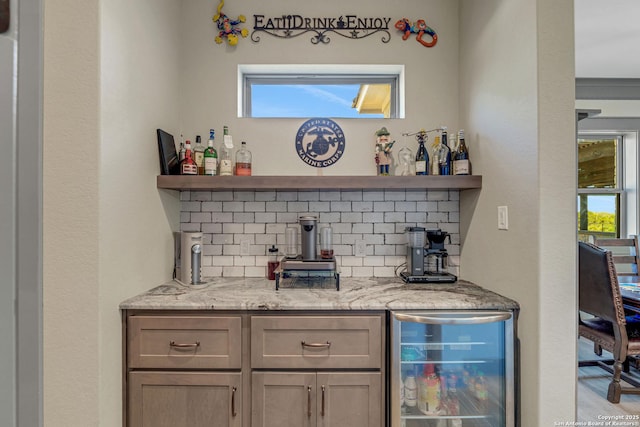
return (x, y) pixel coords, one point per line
(210, 156)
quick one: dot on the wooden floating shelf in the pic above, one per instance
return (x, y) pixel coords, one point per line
(226, 183)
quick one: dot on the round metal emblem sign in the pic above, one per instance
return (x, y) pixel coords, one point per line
(320, 142)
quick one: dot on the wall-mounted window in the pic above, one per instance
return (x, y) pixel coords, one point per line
(339, 91)
(601, 188)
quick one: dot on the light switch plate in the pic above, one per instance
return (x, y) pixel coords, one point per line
(503, 218)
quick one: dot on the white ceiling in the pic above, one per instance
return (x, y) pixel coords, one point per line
(607, 38)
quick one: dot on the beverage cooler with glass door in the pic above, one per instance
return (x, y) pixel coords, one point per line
(452, 369)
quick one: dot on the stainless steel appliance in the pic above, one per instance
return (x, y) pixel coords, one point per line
(435, 257)
(452, 368)
(309, 227)
(415, 250)
(190, 256)
(307, 270)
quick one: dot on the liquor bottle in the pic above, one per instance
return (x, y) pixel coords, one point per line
(210, 156)
(445, 154)
(188, 165)
(225, 153)
(182, 149)
(243, 160)
(461, 164)
(422, 157)
(435, 156)
(198, 155)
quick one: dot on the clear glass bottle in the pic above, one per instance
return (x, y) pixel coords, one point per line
(435, 156)
(182, 151)
(461, 164)
(422, 157)
(210, 156)
(225, 153)
(243, 160)
(188, 165)
(198, 155)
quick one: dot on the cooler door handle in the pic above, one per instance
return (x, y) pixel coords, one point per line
(462, 320)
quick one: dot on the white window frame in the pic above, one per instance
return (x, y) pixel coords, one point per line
(626, 171)
(321, 74)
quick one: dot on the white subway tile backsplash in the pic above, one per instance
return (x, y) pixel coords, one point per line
(201, 196)
(287, 196)
(329, 196)
(233, 206)
(265, 217)
(320, 206)
(373, 196)
(244, 217)
(395, 195)
(353, 217)
(254, 207)
(438, 195)
(244, 196)
(190, 206)
(211, 206)
(265, 196)
(378, 217)
(354, 196)
(309, 196)
(362, 206)
(222, 218)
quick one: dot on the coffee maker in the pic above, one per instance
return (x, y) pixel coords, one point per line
(307, 269)
(437, 256)
(434, 256)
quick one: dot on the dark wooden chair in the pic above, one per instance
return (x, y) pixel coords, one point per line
(599, 296)
(625, 254)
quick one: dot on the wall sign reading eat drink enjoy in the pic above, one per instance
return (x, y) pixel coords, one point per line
(320, 142)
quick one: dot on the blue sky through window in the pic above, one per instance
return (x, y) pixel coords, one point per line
(305, 101)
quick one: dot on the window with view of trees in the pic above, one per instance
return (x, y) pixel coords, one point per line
(600, 189)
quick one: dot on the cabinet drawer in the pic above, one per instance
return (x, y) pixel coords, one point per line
(280, 342)
(184, 342)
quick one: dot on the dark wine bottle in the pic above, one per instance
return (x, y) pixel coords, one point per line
(445, 155)
(422, 156)
(461, 164)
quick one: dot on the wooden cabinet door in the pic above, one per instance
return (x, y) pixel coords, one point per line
(283, 399)
(185, 399)
(351, 399)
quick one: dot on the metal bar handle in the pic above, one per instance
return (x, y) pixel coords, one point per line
(322, 409)
(316, 344)
(309, 401)
(233, 402)
(441, 320)
(192, 345)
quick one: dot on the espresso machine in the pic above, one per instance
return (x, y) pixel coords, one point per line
(307, 269)
(426, 264)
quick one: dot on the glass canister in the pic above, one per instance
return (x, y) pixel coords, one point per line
(291, 239)
(326, 242)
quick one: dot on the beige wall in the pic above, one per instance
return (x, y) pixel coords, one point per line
(209, 77)
(517, 101)
(135, 66)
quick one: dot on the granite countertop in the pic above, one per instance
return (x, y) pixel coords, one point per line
(354, 294)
